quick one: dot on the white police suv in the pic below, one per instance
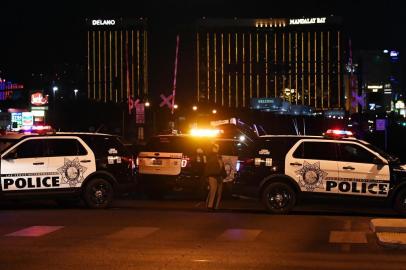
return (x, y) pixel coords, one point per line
(176, 162)
(63, 166)
(283, 168)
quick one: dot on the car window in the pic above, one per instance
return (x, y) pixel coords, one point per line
(65, 147)
(316, 150)
(355, 153)
(105, 145)
(31, 149)
(175, 145)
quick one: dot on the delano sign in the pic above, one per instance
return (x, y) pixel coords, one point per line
(103, 22)
(321, 20)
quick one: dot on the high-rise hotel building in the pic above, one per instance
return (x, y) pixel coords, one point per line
(300, 60)
(117, 66)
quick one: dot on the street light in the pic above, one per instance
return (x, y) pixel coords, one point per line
(175, 106)
(194, 108)
(147, 104)
(76, 92)
(55, 88)
(214, 111)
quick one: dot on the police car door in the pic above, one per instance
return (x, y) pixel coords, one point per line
(311, 163)
(358, 172)
(70, 159)
(229, 155)
(24, 167)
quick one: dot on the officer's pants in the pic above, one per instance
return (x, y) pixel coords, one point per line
(215, 190)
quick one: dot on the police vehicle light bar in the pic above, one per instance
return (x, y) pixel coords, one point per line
(339, 133)
(205, 132)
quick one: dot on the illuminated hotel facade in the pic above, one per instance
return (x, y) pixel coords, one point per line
(300, 60)
(117, 65)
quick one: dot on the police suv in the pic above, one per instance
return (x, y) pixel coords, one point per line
(63, 166)
(284, 168)
(176, 163)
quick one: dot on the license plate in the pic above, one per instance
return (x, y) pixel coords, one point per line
(157, 162)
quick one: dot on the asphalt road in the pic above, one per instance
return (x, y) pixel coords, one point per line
(180, 234)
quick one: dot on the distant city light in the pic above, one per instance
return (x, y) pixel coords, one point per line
(175, 106)
(394, 54)
(147, 104)
(194, 108)
(55, 88)
(214, 111)
(385, 51)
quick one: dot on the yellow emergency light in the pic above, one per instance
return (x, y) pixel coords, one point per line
(198, 132)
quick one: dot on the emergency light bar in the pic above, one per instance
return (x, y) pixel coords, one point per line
(338, 133)
(205, 132)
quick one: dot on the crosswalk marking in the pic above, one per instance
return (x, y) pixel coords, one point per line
(35, 231)
(239, 235)
(348, 237)
(133, 233)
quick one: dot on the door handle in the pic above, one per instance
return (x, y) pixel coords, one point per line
(38, 163)
(296, 164)
(85, 161)
(348, 168)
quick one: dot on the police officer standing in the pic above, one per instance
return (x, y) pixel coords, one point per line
(214, 172)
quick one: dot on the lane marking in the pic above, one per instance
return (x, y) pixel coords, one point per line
(35, 231)
(239, 235)
(347, 237)
(133, 233)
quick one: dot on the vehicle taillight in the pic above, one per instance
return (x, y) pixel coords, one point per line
(185, 162)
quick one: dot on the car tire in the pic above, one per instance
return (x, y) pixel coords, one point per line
(400, 202)
(279, 198)
(98, 193)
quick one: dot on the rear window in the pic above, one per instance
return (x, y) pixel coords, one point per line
(277, 148)
(105, 145)
(174, 144)
(65, 147)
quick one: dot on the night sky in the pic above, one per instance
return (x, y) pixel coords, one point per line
(37, 35)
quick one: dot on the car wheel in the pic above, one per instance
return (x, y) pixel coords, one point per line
(98, 193)
(400, 202)
(279, 198)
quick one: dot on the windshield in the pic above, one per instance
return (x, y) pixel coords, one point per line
(6, 143)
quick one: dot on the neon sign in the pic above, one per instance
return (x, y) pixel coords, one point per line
(38, 99)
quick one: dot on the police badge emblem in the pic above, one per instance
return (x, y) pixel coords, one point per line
(72, 172)
(311, 176)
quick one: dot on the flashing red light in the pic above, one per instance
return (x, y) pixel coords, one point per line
(339, 133)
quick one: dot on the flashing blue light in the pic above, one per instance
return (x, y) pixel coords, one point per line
(394, 54)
